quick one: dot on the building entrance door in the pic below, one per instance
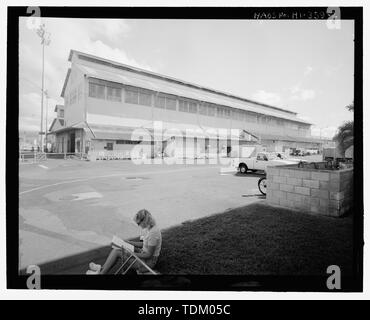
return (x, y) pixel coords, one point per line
(72, 144)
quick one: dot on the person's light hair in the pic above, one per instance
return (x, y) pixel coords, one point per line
(144, 215)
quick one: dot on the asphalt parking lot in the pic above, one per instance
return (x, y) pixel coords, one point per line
(69, 206)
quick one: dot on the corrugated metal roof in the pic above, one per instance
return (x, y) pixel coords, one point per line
(117, 65)
(132, 79)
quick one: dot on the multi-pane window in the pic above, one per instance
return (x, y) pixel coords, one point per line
(193, 107)
(96, 91)
(211, 110)
(160, 102)
(183, 106)
(113, 94)
(235, 114)
(294, 126)
(145, 98)
(132, 96)
(263, 119)
(251, 117)
(227, 113)
(220, 111)
(241, 115)
(170, 103)
(202, 109)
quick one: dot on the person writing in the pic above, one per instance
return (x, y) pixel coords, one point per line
(147, 250)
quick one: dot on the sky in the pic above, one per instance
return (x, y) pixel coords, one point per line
(302, 66)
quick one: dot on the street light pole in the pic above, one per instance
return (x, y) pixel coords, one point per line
(45, 41)
(46, 119)
(42, 99)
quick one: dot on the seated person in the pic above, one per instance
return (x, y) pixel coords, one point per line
(147, 250)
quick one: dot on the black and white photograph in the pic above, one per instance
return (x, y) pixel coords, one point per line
(185, 148)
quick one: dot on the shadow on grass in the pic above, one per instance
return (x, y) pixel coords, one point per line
(253, 240)
(258, 240)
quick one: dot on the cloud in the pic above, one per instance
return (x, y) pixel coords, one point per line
(101, 49)
(302, 94)
(113, 29)
(100, 37)
(307, 71)
(270, 98)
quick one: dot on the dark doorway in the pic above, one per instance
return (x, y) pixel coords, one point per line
(109, 146)
(228, 151)
(72, 143)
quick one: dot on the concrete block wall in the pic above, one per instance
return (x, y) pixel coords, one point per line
(326, 192)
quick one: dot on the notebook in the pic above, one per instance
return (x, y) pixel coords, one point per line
(118, 242)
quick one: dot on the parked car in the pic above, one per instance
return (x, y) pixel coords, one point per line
(260, 162)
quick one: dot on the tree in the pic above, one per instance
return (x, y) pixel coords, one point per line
(344, 136)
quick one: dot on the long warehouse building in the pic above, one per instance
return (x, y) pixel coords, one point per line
(105, 102)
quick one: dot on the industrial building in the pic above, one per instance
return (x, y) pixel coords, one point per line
(110, 107)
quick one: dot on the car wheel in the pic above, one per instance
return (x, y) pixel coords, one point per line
(243, 168)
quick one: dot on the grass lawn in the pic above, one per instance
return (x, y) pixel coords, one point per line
(258, 240)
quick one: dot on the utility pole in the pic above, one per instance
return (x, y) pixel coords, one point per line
(46, 119)
(45, 41)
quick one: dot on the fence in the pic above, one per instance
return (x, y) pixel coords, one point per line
(35, 157)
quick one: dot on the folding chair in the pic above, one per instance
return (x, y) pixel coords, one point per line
(134, 258)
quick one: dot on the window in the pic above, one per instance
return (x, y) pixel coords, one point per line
(109, 146)
(132, 96)
(127, 142)
(211, 110)
(193, 107)
(262, 119)
(160, 102)
(170, 103)
(220, 111)
(234, 114)
(183, 106)
(96, 91)
(145, 98)
(113, 94)
(61, 113)
(251, 117)
(227, 113)
(243, 115)
(203, 109)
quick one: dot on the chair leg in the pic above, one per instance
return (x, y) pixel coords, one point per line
(123, 264)
(129, 266)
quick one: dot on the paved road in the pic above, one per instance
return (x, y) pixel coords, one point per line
(69, 206)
